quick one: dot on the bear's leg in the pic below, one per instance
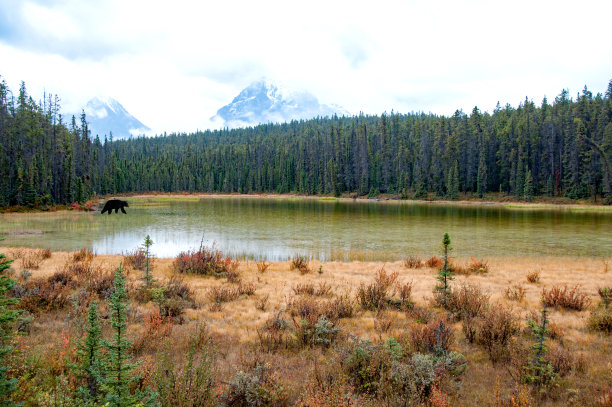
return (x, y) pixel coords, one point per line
(123, 210)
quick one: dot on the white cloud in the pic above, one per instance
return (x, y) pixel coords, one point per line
(173, 64)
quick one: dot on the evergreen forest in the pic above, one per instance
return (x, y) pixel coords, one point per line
(560, 148)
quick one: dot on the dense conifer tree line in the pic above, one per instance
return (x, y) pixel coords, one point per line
(563, 148)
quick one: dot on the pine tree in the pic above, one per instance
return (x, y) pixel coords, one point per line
(445, 274)
(539, 371)
(528, 187)
(481, 182)
(7, 317)
(452, 183)
(146, 247)
(119, 368)
(90, 365)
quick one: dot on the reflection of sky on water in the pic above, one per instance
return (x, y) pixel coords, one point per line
(278, 229)
(169, 244)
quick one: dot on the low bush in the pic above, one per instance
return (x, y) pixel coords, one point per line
(43, 295)
(45, 253)
(262, 266)
(274, 334)
(206, 261)
(233, 276)
(247, 289)
(434, 262)
(477, 266)
(468, 301)
(157, 327)
(327, 392)
(342, 306)
(600, 320)
(375, 294)
(187, 380)
(605, 293)
(515, 292)
(303, 289)
(60, 277)
(533, 277)
(456, 268)
(300, 263)
(382, 323)
(434, 337)
(322, 333)
(365, 364)
(262, 302)
(82, 255)
(563, 361)
(404, 294)
(136, 259)
(31, 258)
(495, 329)
(421, 315)
(177, 288)
(307, 308)
(412, 262)
(222, 294)
(386, 374)
(101, 284)
(322, 289)
(258, 386)
(565, 297)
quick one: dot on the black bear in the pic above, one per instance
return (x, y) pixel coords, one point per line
(115, 204)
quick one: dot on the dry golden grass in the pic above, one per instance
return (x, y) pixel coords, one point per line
(278, 282)
(238, 321)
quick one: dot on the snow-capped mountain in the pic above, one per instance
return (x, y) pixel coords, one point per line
(265, 102)
(106, 115)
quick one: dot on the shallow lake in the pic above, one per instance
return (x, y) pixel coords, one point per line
(279, 228)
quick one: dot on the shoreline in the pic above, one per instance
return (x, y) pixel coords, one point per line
(506, 202)
(509, 204)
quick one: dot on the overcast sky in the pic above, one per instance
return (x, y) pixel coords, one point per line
(172, 64)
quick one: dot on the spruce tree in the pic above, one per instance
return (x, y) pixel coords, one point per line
(146, 248)
(445, 274)
(452, 183)
(119, 369)
(481, 182)
(7, 318)
(90, 365)
(528, 187)
(539, 371)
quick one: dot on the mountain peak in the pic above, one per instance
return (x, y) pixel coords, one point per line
(264, 101)
(105, 115)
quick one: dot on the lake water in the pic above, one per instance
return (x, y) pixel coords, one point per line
(278, 228)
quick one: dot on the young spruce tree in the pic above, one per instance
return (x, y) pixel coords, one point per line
(445, 275)
(90, 366)
(146, 247)
(119, 369)
(7, 317)
(539, 371)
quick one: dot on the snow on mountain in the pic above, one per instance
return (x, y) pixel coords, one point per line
(265, 102)
(106, 115)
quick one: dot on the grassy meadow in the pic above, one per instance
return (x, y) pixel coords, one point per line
(209, 330)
